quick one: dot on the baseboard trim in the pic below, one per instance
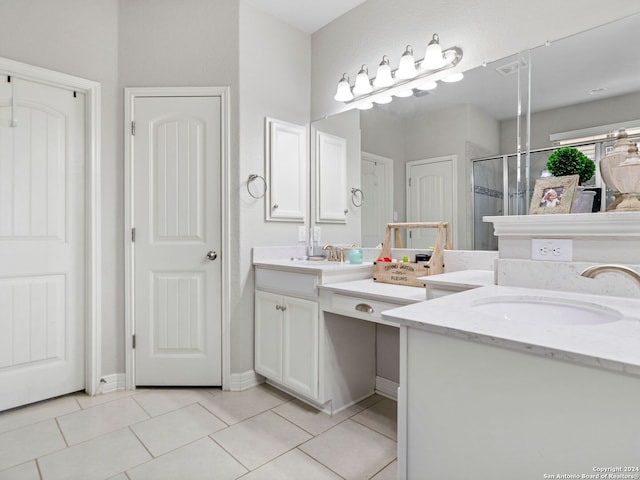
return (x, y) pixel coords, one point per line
(387, 388)
(112, 383)
(243, 381)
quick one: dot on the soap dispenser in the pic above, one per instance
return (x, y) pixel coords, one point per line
(355, 255)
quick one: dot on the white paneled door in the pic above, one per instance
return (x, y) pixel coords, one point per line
(42, 242)
(177, 218)
(430, 197)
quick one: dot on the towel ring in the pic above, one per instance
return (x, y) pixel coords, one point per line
(251, 179)
(357, 197)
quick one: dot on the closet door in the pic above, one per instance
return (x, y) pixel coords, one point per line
(42, 242)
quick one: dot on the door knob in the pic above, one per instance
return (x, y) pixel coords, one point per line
(211, 256)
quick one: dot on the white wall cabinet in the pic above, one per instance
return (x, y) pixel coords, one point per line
(286, 167)
(286, 348)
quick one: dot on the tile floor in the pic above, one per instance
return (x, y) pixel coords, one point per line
(191, 434)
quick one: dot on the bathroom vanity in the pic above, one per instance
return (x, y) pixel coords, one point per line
(319, 330)
(519, 383)
(297, 349)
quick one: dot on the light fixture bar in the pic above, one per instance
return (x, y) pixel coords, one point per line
(453, 56)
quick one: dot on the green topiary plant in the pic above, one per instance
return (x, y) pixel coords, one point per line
(571, 161)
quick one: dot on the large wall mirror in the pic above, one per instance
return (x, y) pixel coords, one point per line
(468, 131)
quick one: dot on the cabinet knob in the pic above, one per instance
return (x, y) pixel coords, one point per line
(282, 308)
(275, 206)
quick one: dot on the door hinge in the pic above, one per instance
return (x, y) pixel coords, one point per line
(409, 181)
(133, 341)
(133, 128)
(133, 234)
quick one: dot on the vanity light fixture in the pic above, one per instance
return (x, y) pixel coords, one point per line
(433, 57)
(454, 77)
(365, 106)
(428, 85)
(407, 92)
(383, 75)
(411, 75)
(407, 67)
(383, 99)
(343, 94)
(363, 84)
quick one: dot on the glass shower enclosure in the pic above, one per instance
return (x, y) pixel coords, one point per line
(504, 184)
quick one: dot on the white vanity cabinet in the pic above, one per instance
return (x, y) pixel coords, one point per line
(320, 360)
(286, 346)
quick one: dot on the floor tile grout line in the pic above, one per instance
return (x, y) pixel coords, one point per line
(395, 459)
(374, 430)
(248, 470)
(64, 437)
(318, 461)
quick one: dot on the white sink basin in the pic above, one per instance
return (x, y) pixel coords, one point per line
(546, 310)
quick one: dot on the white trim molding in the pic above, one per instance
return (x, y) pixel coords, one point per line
(387, 388)
(130, 94)
(93, 300)
(243, 381)
(602, 224)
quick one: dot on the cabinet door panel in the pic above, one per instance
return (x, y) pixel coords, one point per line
(286, 171)
(300, 348)
(331, 168)
(268, 341)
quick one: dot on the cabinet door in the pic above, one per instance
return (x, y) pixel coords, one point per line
(331, 171)
(268, 341)
(300, 346)
(286, 158)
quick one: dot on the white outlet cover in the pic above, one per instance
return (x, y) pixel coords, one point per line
(552, 250)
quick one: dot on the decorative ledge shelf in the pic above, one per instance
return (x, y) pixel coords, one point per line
(605, 224)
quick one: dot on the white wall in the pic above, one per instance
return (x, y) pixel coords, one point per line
(134, 43)
(80, 37)
(486, 31)
(584, 115)
(274, 81)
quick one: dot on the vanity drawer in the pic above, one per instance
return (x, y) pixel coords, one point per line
(357, 307)
(287, 282)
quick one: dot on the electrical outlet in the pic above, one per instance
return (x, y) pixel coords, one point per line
(551, 250)
(302, 234)
(316, 234)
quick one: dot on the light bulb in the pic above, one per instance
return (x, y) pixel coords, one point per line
(454, 77)
(343, 93)
(383, 99)
(404, 93)
(428, 85)
(433, 58)
(383, 75)
(365, 106)
(363, 84)
(407, 67)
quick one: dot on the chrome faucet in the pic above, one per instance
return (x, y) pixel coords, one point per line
(594, 270)
(333, 255)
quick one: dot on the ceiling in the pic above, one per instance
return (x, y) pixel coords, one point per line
(306, 15)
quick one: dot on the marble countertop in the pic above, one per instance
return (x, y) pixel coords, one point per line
(614, 346)
(312, 266)
(462, 279)
(385, 292)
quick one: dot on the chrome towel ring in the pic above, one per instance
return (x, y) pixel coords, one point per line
(250, 181)
(357, 197)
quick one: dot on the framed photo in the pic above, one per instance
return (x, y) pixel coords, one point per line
(554, 195)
